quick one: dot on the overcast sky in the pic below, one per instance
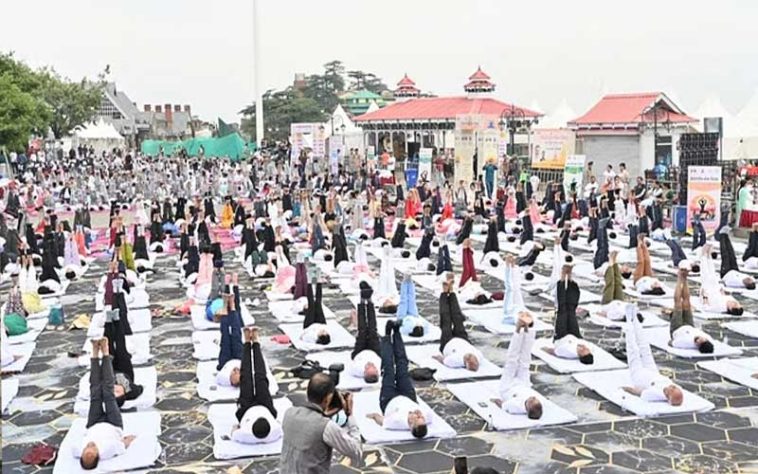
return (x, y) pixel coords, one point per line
(201, 52)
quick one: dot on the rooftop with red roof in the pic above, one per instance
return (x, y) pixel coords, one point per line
(406, 81)
(630, 110)
(443, 108)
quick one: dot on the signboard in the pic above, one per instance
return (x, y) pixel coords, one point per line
(307, 135)
(551, 147)
(573, 172)
(704, 196)
(425, 162)
(474, 135)
(336, 153)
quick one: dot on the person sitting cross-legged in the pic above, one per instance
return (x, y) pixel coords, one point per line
(516, 394)
(649, 384)
(104, 438)
(397, 398)
(255, 408)
(684, 335)
(456, 350)
(365, 359)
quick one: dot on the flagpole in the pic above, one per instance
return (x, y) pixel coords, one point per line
(257, 77)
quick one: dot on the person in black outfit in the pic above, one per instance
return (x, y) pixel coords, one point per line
(424, 250)
(125, 389)
(254, 387)
(492, 244)
(314, 314)
(368, 336)
(566, 323)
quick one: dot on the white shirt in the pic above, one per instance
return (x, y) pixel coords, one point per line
(454, 351)
(684, 337)
(245, 432)
(108, 438)
(514, 400)
(310, 334)
(714, 300)
(357, 366)
(565, 347)
(222, 377)
(751, 262)
(734, 279)
(651, 383)
(397, 410)
(615, 310)
(645, 284)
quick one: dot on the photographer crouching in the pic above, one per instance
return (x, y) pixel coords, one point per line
(325, 423)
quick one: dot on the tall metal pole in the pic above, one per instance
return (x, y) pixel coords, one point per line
(257, 76)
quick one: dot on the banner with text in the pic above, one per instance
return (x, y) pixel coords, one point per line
(704, 196)
(573, 172)
(425, 163)
(551, 147)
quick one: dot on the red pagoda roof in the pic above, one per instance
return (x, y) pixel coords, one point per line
(479, 75)
(406, 81)
(631, 109)
(441, 108)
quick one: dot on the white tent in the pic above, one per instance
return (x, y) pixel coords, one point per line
(100, 135)
(712, 107)
(558, 117)
(372, 107)
(740, 131)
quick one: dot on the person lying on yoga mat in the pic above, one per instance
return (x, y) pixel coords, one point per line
(365, 359)
(513, 299)
(730, 273)
(456, 350)
(649, 384)
(567, 341)
(124, 387)
(684, 335)
(397, 398)
(711, 292)
(680, 259)
(411, 324)
(516, 394)
(750, 257)
(256, 415)
(644, 281)
(104, 438)
(315, 330)
(230, 346)
(613, 300)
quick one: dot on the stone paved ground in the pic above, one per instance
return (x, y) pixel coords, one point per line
(605, 440)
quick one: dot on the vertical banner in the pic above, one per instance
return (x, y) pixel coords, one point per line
(573, 172)
(336, 152)
(425, 163)
(704, 196)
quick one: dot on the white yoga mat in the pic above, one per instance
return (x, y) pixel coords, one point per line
(492, 320)
(746, 328)
(23, 350)
(145, 376)
(478, 396)
(10, 390)
(140, 320)
(367, 402)
(603, 360)
(276, 296)
(608, 384)
(200, 323)
(584, 297)
(35, 328)
(137, 344)
(142, 453)
(423, 357)
(658, 300)
(347, 381)
(288, 311)
(700, 312)
(432, 334)
(338, 334)
(737, 370)
(586, 271)
(207, 388)
(222, 417)
(650, 318)
(659, 337)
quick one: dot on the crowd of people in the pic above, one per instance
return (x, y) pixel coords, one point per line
(293, 226)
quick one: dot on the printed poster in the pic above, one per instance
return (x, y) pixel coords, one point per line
(704, 196)
(573, 172)
(425, 163)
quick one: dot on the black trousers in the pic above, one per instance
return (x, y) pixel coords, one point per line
(565, 319)
(379, 228)
(601, 254)
(103, 407)
(451, 319)
(254, 389)
(122, 359)
(728, 258)
(527, 233)
(396, 380)
(368, 336)
(593, 230)
(315, 312)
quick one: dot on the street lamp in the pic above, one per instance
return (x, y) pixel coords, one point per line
(512, 118)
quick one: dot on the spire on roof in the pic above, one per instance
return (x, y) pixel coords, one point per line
(479, 83)
(406, 88)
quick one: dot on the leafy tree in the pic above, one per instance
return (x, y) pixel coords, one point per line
(20, 115)
(281, 109)
(72, 103)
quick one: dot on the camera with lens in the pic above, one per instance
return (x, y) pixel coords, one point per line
(334, 374)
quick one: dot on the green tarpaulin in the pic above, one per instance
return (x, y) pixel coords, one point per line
(232, 146)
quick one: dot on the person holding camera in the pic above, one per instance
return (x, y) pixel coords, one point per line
(397, 397)
(310, 434)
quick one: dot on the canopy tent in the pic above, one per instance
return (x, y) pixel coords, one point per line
(100, 136)
(231, 146)
(740, 131)
(559, 117)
